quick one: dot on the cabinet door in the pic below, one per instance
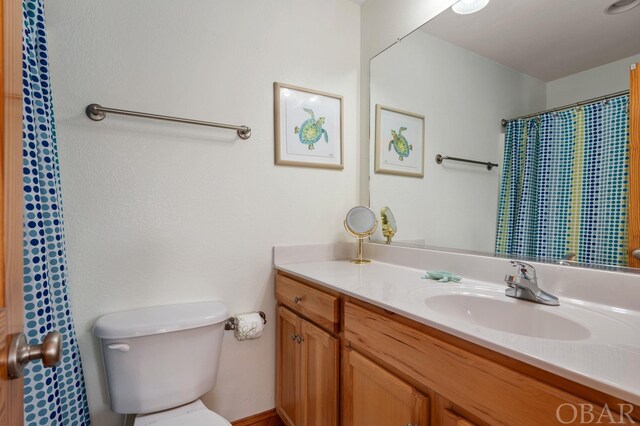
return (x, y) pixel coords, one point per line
(288, 367)
(319, 382)
(375, 397)
(449, 418)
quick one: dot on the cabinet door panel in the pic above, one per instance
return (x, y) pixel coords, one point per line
(449, 418)
(319, 376)
(373, 396)
(288, 367)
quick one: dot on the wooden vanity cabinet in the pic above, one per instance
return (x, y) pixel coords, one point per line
(395, 371)
(373, 396)
(307, 381)
(491, 387)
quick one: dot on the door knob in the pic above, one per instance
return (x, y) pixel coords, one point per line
(636, 253)
(21, 352)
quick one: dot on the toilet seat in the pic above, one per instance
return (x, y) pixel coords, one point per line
(193, 414)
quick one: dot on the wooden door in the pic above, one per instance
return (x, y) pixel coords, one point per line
(319, 376)
(634, 165)
(11, 391)
(288, 366)
(374, 397)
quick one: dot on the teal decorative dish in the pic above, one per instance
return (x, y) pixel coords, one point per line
(442, 276)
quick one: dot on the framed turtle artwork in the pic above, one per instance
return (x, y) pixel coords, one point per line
(308, 127)
(399, 146)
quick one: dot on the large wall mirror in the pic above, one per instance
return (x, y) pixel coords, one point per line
(540, 88)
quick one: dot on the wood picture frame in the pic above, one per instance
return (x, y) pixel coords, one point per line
(401, 155)
(308, 127)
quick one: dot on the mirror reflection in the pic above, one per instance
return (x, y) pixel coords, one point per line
(360, 221)
(542, 89)
(389, 226)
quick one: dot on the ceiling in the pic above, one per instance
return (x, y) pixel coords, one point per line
(546, 39)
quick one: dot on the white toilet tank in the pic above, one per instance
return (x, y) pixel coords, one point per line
(161, 357)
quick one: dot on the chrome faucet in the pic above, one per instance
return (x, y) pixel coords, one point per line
(525, 285)
(568, 259)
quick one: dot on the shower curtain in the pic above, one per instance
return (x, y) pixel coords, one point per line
(564, 185)
(52, 396)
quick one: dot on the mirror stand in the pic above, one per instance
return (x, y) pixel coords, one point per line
(360, 260)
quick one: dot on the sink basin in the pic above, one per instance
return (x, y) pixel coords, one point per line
(510, 316)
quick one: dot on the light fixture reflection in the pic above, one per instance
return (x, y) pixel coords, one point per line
(621, 6)
(465, 7)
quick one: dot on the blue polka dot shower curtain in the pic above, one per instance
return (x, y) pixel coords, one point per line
(52, 396)
(565, 185)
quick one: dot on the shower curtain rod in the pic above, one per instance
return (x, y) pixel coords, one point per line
(574, 105)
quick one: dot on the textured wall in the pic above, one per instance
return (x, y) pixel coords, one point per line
(158, 213)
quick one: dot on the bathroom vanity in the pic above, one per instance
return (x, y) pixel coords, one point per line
(377, 345)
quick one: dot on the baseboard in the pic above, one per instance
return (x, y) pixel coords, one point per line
(266, 418)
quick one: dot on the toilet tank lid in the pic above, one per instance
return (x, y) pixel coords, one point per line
(159, 319)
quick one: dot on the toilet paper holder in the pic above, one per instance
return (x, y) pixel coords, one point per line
(230, 324)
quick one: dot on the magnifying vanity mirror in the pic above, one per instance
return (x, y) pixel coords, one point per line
(547, 94)
(360, 222)
(389, 226)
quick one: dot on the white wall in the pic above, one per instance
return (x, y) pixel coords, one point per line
(159, 213)
(463, 97)
(599, 81)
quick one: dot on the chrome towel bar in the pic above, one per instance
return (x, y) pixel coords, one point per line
(97, 112)
(440, 159)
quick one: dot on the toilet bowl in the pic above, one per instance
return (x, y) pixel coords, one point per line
(193, 414)
(159, 361)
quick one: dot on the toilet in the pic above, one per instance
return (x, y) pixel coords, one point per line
(160, 360)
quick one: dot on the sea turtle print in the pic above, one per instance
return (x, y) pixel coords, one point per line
(311, 130)
(400, 144)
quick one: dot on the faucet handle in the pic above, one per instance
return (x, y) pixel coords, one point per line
(525, 269)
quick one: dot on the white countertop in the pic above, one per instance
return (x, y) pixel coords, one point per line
(601, 351)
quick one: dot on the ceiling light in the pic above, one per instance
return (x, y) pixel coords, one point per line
(465, 7)
(621, 6)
